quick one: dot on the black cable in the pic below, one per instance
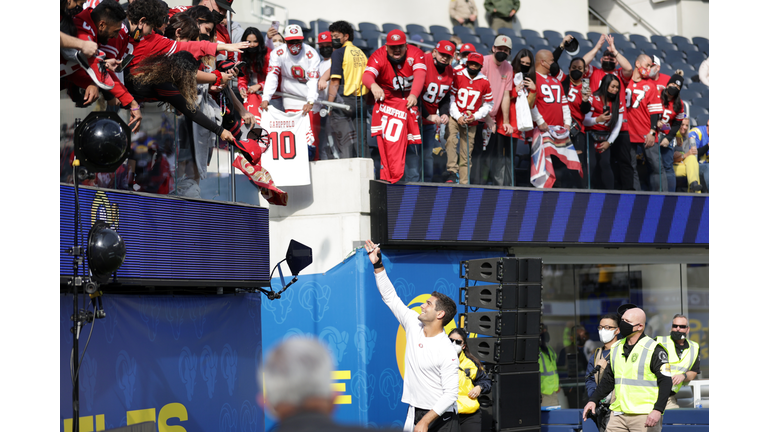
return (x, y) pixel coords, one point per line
(77, 372)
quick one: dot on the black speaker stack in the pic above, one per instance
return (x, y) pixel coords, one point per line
(508, 337)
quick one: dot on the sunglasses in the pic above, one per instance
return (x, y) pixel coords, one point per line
(682, 326)
(458, 342)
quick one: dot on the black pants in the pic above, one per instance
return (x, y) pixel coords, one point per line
(448, 422)
(471, 422)
(622, 157)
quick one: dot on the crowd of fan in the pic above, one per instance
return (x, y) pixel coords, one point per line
(467, 112)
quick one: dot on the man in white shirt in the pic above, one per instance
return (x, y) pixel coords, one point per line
(298, 64)
(431, 381)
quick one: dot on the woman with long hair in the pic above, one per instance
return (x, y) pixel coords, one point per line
(522, 63)
(472, 382)
(668, 125)
(603, 123)
(254, 72)
(578, 102)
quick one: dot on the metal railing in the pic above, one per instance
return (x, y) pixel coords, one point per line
(637, 17)
(600, 18)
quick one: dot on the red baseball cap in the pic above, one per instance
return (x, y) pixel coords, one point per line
(445, 47)
(324, 37)
(467, 47)
(395, 37)
(475, 57)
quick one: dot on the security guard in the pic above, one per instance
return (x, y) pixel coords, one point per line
(639, 375)
(550, 381)
(683, 356)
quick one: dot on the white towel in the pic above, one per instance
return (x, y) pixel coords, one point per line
(522, 110)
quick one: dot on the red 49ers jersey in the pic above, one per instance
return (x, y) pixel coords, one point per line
(596, 76)
(395, 84)
(642, 100)
(394, 127)
(550, 99)
(600, 106)
(436, 87)
(574, 102)
(669, 115)
(472, 95)
(661, 82)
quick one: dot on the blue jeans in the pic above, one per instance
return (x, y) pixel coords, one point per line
(412, 163)
(667, 162)
(704, 175)
(428, 142)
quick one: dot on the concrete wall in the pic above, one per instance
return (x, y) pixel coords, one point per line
(328, 215)
(559, 15)
(687, 18)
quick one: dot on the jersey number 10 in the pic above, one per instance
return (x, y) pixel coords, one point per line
(285, 145)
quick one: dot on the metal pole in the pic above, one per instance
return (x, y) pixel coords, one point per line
(589, 170)
(297, 97)
(469, 156)
(232, 192)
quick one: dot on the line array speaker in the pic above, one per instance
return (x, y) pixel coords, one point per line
(504, 296)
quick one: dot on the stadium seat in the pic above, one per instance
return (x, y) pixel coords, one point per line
(619, 36)
(695, 58)
(537, 48)
(688, 69)
(526, 33)
(701, 43)
(484, 32)
(388, 27)
(554, 37)
(647, 47)
(689, 95)
(471, 38)
(483, 48)
(636, 38)
(370, 34)
(653, 52)
(622, 44)
(441, 36)
(666, 69)
(702, 119)
(667, 47)
(699, 87)
(687, 48)
(658, 38)
(488, 39)
(687, 80)
(594, 36)
(679, 39)
(509, 32)
(363, 26)
(460, 29)
(322, 26)
(425, 37)
(630, 54)
(439, 29)
(301, 24)
(357, 35)
(702, 102)
(534, 41)
(416, 29)
(673, 57)
(576, 34)
(697, 111)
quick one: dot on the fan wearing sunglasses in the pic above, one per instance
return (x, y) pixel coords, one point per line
(472, 382)
(683, 356)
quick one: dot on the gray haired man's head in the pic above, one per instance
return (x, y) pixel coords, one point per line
(296, 370)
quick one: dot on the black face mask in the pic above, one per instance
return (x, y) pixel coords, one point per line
(625, 328)
(440, 66)
(576, 74)
(249, 51)
(673, 91)
(336, 43)
(554, 69)
(676, 335)
(610, 96)
(218, 17)
(608, 66)
(473, 72)
(525, 68)
(396, 61)
(326, 51)
(500, 56)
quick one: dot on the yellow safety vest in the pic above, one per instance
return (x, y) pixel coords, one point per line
(550, 381)
(466, 405)
(635, 385)
(679, 365)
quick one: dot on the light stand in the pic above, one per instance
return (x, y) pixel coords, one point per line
(101, 143)
(298, 257)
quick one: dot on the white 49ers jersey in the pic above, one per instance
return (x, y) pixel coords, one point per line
(287, 158)
(299, 73)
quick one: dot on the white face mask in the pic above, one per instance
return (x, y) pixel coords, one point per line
(607, 335)
(457, 348)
